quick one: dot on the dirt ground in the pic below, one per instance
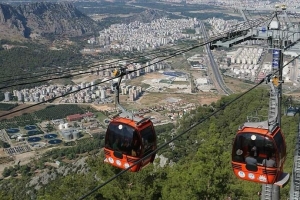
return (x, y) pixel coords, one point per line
(86, 78)
(2, 153)
(295, 95)
(153, 75)
(160, 98)
(236, 85)
(139, 80)
(101, 107)
(24, 158)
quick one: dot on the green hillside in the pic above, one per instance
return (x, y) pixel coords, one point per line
(199, 164)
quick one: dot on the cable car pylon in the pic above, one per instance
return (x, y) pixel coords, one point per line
(272, 191)
(259, 150)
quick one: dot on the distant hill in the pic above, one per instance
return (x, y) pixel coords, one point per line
(42, 19)
(147, 16)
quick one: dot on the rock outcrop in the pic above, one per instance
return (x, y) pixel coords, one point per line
(44, 19)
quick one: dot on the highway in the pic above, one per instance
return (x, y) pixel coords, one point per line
(214, 66)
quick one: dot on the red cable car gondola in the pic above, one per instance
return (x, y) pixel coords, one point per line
(258, 155)
(129, 138)
(259, 149)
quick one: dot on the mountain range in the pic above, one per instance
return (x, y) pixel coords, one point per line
(41, 19)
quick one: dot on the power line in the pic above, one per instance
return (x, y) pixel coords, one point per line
(96, 64)
(82, 73)
(30, 73)
(93, 85)
(171, 56)
(179, 135)
(258, 21)
(78, 69)
(162, 146)
(87, 72)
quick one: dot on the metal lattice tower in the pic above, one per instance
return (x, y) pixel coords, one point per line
(295, 179)
(282, 36)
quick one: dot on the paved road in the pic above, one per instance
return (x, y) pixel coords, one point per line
(214, 65)
(216, 71)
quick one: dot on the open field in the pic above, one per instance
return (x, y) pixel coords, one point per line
(237, 85)
(100, 116)
(295, 94)
(161, 98)
(23, 158)
(21, 106)
(147, 76)
(85, 78)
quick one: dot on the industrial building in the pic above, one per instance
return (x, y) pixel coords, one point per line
(63, 126)
(173, 74)
(77, 117)
(69, 134)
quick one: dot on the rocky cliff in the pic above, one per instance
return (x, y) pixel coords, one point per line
(41, 19)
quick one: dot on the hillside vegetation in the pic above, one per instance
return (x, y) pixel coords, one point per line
(199, 164)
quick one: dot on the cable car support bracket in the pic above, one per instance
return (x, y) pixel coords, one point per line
(124, 113)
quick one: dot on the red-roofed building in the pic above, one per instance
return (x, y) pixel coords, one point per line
(77, 117)
(88, 114)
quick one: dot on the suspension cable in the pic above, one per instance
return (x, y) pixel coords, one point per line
(171, 56)
(259, 21)
(166, 58)
(96, 64)
(179, 135)
(15, 111)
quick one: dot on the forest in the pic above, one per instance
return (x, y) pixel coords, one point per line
(198, 164)
(24, 60)
(49, 113)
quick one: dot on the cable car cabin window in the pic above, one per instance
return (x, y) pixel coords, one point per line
(253, 145)
(148, 138)
(121, 137)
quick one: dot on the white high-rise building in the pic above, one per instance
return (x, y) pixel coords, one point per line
(7, 96)
(20, 96)
(103, 96)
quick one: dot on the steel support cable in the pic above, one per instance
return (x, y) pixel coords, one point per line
(96, 64)
(93, 65)
(15, 111)
(78, 74)
(78, 69)
(83, 73)
(171, 56)
(179, 135)
(167, 143)
(176, 53)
